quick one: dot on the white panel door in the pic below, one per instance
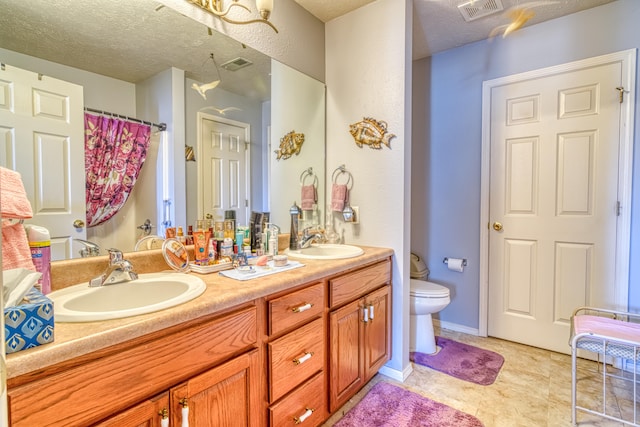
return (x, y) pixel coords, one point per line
(553, 199)
(42, 137)
(223, 168)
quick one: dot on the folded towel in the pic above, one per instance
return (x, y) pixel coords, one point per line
(15, 247)
(309, 197)
(339, 194)
(14, 203)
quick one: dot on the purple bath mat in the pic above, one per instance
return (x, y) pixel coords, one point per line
(386, 405)
(462, 361)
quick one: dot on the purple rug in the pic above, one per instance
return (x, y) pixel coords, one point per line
(462, 361)
(389, 406)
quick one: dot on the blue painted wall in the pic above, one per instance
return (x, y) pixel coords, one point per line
(447, 136)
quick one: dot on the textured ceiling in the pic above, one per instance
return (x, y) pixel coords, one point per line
(129, 40)
(132, 40)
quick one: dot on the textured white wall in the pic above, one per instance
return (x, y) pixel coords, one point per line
(368, 59)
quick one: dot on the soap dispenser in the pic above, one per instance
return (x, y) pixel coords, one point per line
(293, 236)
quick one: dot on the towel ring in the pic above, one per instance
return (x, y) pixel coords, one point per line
(339, 171)
(306, 174)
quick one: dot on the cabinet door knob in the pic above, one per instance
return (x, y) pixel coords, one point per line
(164, 417)
(371, 311)
(184, 402)
(304, 416)
(365, 314)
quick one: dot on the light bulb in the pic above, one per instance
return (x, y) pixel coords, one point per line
(264, 7)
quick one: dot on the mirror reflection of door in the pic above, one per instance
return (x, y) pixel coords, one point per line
(42, 137)
(223, 167)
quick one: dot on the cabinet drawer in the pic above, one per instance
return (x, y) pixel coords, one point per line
(295, 357)
(295, 308)
(358, 283)
(310, 399)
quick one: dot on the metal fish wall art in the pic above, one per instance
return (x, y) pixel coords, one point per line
(371, 132)
(290, 144)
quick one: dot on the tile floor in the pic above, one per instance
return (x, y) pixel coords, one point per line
(532, 389)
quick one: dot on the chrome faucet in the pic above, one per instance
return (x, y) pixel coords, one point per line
(119, 270)
(89, 248)
(308, 238)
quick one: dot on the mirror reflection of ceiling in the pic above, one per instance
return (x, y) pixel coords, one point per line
(130, 41)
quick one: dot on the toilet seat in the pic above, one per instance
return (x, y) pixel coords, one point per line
(421, 288)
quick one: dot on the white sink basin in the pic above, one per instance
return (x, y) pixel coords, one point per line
(326, 251)
(150, 292)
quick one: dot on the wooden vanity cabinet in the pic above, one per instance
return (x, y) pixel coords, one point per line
(359, 329)
(222, 396)
(210, 361)
(290, 358)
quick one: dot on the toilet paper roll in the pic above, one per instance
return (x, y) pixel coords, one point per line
(455, 264)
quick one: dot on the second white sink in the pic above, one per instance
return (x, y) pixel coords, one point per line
(150, 292)
(326, 251)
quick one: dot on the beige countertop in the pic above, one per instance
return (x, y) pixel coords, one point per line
(76, 339)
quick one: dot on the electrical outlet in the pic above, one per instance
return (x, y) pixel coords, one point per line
(356, 215)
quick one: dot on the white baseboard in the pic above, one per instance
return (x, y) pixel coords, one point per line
(395, 374)
(455, 327)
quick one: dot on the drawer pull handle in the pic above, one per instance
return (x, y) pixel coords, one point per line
(303, 359)
(164, 417)
(304, 416)
(302, 308)
(185, 412)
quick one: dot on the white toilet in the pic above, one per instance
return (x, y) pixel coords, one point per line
(426, 298)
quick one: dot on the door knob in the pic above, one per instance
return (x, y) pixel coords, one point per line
(78, 223)
(497, 226)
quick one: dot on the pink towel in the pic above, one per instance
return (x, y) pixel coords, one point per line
(309, 197)
(15, 247)
(13, 199)
(604, 326)
(339, 195)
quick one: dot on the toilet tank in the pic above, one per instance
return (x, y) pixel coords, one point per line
(418, 269)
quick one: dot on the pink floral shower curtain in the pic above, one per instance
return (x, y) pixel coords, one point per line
(114, 151)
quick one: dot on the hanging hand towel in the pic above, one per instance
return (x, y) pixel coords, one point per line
(339, 194)
(15, 247)
(309, 197)
(13, 199)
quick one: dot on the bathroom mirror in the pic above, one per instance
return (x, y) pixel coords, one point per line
(125, 40)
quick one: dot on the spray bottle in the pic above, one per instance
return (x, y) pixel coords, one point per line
(40, 245)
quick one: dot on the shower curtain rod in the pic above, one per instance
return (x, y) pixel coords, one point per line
(160, 126)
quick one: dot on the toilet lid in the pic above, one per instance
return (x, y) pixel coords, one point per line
(428, 289)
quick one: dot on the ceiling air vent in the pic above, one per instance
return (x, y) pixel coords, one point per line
(475, 9)
(236, 64)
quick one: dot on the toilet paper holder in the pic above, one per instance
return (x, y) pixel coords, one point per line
(464, 261)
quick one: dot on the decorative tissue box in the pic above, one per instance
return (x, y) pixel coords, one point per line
(29, 324)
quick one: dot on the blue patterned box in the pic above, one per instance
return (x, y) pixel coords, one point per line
(29, 324)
